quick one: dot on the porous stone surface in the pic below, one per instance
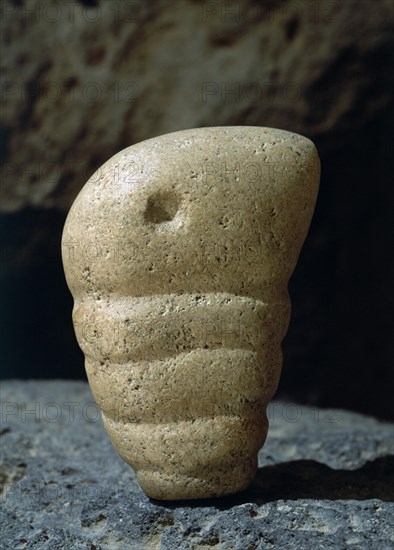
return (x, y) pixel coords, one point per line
(182, 317)
(324, 481)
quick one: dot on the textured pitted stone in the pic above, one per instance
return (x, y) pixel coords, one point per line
(178, 252)
(324, 481)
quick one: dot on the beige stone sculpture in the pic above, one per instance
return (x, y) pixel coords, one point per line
(178, 252)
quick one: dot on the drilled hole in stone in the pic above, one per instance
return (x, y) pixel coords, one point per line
(161, 207)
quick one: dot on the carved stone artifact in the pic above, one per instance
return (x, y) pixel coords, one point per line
(178, 252)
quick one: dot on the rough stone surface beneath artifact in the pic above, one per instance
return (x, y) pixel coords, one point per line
(324, 480)
(181, 321)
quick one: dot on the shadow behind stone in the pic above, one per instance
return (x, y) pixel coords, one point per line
(308, 479)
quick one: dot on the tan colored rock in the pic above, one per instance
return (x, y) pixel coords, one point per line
(178, 252)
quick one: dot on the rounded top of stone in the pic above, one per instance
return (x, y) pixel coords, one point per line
(205, 209)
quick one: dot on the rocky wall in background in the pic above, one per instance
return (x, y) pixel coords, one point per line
(84, 79)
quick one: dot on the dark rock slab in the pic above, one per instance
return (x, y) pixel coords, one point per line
(323, 482)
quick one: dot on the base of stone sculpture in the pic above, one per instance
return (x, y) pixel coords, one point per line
(200, 458)
(230, 479)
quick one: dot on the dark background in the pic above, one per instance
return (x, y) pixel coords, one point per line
(80, 82)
